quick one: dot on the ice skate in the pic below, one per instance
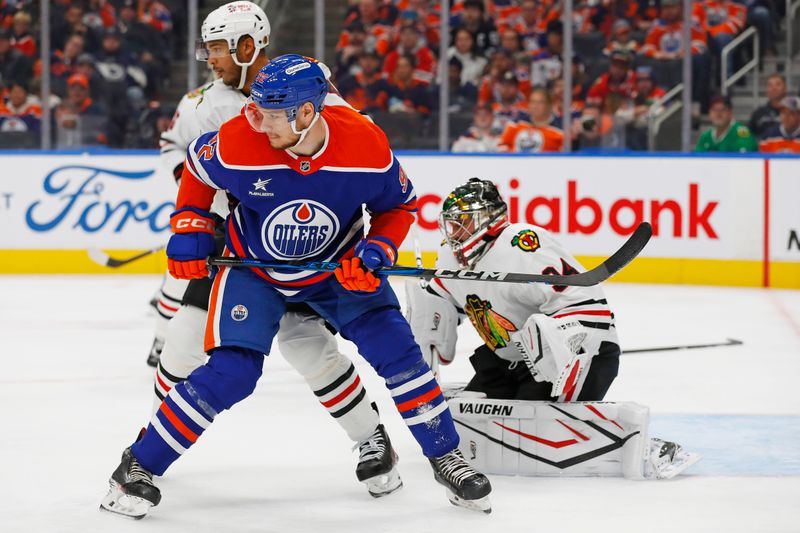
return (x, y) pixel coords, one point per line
(377, 462)
(155, 352)
(131, 492)
(465, 486)
(667, 459)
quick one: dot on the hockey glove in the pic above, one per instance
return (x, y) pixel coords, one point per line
(376, 252)
(552, 348)
(191, 244)
(355, 277)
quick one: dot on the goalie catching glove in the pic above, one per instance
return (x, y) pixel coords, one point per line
(552, 348)
(191, 243)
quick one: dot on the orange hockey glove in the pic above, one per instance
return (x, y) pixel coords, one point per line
(355, 277)
(191, 244)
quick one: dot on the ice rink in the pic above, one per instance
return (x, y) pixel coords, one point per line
(75, 390)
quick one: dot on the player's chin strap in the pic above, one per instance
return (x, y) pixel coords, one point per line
(302, 133)
(245, 66)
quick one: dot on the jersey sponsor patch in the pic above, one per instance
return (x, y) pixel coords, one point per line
(260, 188)
(526, 240)
(299, 229)
(493, 327)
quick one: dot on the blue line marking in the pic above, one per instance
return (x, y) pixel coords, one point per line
(735, 445)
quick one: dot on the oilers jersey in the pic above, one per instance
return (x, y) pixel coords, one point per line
(294, 208)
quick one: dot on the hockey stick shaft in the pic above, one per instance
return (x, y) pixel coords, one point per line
(635, 243)
(103, 259)
(729, 342)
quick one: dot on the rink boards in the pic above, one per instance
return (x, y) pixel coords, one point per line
(717, 220)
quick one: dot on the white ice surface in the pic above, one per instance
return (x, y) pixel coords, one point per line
(74, 391)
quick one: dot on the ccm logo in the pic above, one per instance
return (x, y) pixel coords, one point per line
(194, 223)
(470, 274)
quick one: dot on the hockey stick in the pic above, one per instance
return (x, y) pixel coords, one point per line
(635, 243)
(103, 259)
(729, 342)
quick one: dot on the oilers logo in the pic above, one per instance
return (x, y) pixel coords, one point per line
(299, 229)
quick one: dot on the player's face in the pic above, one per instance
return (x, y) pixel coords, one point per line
(219, 59)
(273, 123)
(458, 228)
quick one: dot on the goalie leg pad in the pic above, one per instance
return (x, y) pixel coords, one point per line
(515, 437)
(311, 349)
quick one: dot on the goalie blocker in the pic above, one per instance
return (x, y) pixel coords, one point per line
(516, 437)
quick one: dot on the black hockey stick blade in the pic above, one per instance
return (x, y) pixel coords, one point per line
(632, 247)
(728, 342)
(103, 259)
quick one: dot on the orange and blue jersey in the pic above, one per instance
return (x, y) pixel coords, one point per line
(295, 208)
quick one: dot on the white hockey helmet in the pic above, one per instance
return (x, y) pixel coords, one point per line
(230, 23)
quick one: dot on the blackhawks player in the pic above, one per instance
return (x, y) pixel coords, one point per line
(234, 37)
(541, 342)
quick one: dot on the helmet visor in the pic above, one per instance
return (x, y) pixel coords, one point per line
(265, 120)
(203, 51)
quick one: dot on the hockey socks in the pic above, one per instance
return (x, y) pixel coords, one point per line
(229, 376)
(177, 425)
(420, 402)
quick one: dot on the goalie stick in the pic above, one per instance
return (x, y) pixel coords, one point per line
(729, 342)
(635, 243)
(103, 259)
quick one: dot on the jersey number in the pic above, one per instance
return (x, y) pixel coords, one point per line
(206, 151)
(566, 270)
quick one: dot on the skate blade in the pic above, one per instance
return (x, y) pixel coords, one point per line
(117, 502)
(481, 504)
(384, 484)
(680, 462)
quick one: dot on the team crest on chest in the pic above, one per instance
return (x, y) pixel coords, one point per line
(299, 229)
(526, 240)
(493, 327)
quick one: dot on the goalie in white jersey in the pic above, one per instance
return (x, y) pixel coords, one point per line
(545, 348)
(541, 342)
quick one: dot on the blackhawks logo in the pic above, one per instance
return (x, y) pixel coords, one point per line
(492, 327)
(526, 240)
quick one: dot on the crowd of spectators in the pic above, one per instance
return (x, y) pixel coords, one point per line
(109, 65)
(504, 61)
(111, 60)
